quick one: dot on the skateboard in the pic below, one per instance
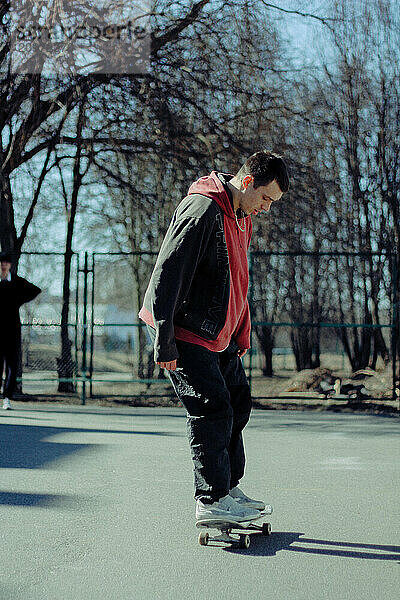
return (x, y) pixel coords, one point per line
(226, 527)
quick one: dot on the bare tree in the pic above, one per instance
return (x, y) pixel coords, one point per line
(65, 364)
(341, 201)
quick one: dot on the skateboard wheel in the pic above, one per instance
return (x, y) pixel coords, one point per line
(203, 538)
(266, 528)
(244, 541)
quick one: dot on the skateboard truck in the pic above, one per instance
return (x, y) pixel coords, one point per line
(226, 527)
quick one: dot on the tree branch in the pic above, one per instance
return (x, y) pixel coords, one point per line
(29, 216)
(323, 20)
(173, 32)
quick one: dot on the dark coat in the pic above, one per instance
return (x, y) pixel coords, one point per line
(13, 294)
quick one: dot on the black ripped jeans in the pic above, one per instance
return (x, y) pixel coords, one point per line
(214, 389)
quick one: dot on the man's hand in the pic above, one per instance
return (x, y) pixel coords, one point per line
(242, 352)
(170, 366)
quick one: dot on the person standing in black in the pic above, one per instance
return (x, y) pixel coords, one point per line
(14, 291)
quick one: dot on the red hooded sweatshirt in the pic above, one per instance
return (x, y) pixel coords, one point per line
(235, 244)
(237, 324)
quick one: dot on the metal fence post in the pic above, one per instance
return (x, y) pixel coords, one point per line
(76, 327)
(395, 311)
(85, 271)
(92, 325)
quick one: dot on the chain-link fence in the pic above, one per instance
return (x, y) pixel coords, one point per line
(324, 324)
(50, 349)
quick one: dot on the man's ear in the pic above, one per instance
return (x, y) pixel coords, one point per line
(247, 180)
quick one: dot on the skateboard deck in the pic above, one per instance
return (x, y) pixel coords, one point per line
(226, 527)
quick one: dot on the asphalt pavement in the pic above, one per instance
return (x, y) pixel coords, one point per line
(97, 503)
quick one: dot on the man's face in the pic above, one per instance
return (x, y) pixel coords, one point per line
(258, 200)
(5, 268)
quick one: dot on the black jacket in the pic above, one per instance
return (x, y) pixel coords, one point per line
(190, 285)
(13, 294)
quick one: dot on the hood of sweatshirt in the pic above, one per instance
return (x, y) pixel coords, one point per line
(212, 187)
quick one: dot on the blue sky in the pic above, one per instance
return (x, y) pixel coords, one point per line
(305, 35)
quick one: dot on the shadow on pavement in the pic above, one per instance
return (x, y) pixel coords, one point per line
(24, 447)
(281, 540)
(42, 500)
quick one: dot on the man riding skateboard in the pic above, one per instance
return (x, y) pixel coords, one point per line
(198, 317)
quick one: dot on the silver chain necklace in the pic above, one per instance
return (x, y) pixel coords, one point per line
(237, 223)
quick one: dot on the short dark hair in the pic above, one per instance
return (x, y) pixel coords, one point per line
(6, 256)
(265, 167)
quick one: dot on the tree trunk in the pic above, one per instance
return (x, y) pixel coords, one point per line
(65, 363)
(302, 347)
(266, 341)
(141, 334)
(8, 234)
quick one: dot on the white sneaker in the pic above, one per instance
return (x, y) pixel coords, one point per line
(6, 404)
(243, 500)
(225, 508)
